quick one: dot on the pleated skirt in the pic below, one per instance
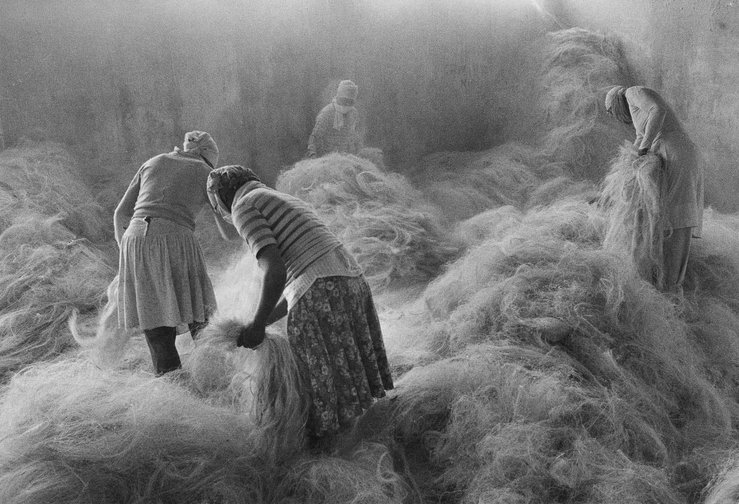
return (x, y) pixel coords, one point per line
(163, 279)
(335, 335)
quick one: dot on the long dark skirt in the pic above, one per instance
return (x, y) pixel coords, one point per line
(335, 334)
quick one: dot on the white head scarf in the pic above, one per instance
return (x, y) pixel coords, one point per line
(347, 89)
(201, 143)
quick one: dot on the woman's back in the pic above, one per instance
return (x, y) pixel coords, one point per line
(172, 186)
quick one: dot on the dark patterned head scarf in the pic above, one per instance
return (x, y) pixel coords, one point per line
(617, 105)
(222, 186)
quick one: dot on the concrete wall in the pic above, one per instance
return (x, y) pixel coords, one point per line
(124, 79)
(120, 80)
(689, 51)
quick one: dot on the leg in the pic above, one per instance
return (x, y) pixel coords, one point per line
(164, 356)
(676, 252)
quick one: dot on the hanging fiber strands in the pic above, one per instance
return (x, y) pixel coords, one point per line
(632, 195)
(264, 383)
(107, 347)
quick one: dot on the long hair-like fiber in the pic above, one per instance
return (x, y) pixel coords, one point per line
(279, 396)
(108, 345)
(265, 383)
(631, 195)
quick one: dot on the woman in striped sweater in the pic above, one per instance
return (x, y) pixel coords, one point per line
(309, 276)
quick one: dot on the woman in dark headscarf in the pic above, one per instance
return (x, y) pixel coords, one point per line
(309, 276)
(163, 280)
(658, 130)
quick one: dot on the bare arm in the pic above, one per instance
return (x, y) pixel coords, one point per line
(279, 311)
(273, 283)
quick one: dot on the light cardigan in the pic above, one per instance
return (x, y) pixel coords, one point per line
(659, 130)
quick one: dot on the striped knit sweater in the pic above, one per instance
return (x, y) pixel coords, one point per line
(264, 216)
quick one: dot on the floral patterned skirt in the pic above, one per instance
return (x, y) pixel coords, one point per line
(335, 334)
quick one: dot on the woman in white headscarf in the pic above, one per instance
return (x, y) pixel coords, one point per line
(658, 130)
(163, 281)
(336, 125)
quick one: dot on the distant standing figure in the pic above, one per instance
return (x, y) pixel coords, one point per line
(332, 325)
(163, 280)
(658, 130)
(336, 124)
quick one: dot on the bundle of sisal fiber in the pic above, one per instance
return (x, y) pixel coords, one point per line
(264, 383)
(631, 197)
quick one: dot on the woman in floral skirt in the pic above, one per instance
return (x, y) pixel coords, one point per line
(309, 276)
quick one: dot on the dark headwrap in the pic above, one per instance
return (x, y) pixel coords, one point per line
(222, 186)
(617, 105)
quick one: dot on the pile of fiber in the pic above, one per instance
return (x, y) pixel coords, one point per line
(45, 276)
(45, 179)
(464, 186)
(579, 67)
(378, 216)
(714, 263)
(49, 267)
(507, 424)
(724, 488)
(564, 376)
(71, 432)
(559, 188)
(497, 222)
